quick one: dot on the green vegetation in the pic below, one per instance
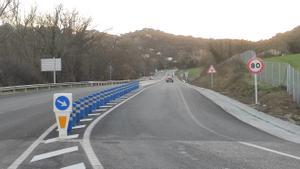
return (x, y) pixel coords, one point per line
(194, 73)
(293, 60)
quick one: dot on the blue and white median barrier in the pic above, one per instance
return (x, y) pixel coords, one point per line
(86, 105)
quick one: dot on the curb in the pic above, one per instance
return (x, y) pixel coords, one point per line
(269, 124)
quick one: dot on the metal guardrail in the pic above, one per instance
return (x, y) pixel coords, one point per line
(49, 86)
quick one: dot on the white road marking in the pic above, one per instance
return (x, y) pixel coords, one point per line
(29, 150)
(79, 126)
(100, 110)
(112, 103)
(228, 137)
(86, 143)
(88, 119)
(94, 114)
(54, 153)
(75, 166)
(269, 150)
(51, 140)
(106, 106)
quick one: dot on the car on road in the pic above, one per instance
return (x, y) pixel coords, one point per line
(169, 80)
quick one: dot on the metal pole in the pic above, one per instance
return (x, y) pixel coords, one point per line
(255, 88)
(54, 70)
(212, 80)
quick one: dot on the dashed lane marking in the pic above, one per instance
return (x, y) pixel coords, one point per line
(52, 140)
(75, 166)
(54, 153)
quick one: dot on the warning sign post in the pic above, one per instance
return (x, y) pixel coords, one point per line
(211, 70)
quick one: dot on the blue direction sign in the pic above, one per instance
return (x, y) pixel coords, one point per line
(62, 103)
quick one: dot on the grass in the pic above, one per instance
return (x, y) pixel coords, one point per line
(293, 60)
(193, 72)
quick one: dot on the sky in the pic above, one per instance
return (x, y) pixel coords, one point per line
(235, 19)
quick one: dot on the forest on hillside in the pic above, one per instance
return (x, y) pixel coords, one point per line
(87, 54)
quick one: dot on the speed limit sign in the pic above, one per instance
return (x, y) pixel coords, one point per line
(255, 65)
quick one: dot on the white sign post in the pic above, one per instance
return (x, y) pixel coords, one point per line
(62, 107)
(255, 66)
(51, 65)
(211, 71)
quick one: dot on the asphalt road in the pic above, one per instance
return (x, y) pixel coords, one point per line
(171, 126)
(24, 117)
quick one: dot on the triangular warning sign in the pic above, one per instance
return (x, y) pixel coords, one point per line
(211, 69)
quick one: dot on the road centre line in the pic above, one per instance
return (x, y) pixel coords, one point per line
(75, 166)
(54, 153)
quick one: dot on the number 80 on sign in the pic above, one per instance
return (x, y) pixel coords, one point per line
(255, 66)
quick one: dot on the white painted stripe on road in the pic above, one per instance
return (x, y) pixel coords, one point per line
(95, 114)
(112, 103)
(269, 150)
(52, 140)
(75, 166)
(100, 110)
(106, 106)
(29, 150)
(79, 126)
(88, 119)
(54, 153)
(86, 143)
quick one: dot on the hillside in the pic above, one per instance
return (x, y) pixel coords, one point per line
(234, 80)
(293, 60)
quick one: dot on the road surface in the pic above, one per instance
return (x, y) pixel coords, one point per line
(171, 126)
(24, 117)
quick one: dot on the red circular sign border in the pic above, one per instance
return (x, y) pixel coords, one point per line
(262, 68)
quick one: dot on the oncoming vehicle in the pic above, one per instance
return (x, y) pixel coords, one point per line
(169, 80)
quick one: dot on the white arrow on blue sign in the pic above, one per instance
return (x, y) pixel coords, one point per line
(62, 102)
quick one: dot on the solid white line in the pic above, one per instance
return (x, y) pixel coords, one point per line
(54, 153)
(88, 119)
(86, 143)
(75, 166)
(51, 140)
(269, 150)
(112, 103)
(94, 114)
(29, 150)
(79, 126)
